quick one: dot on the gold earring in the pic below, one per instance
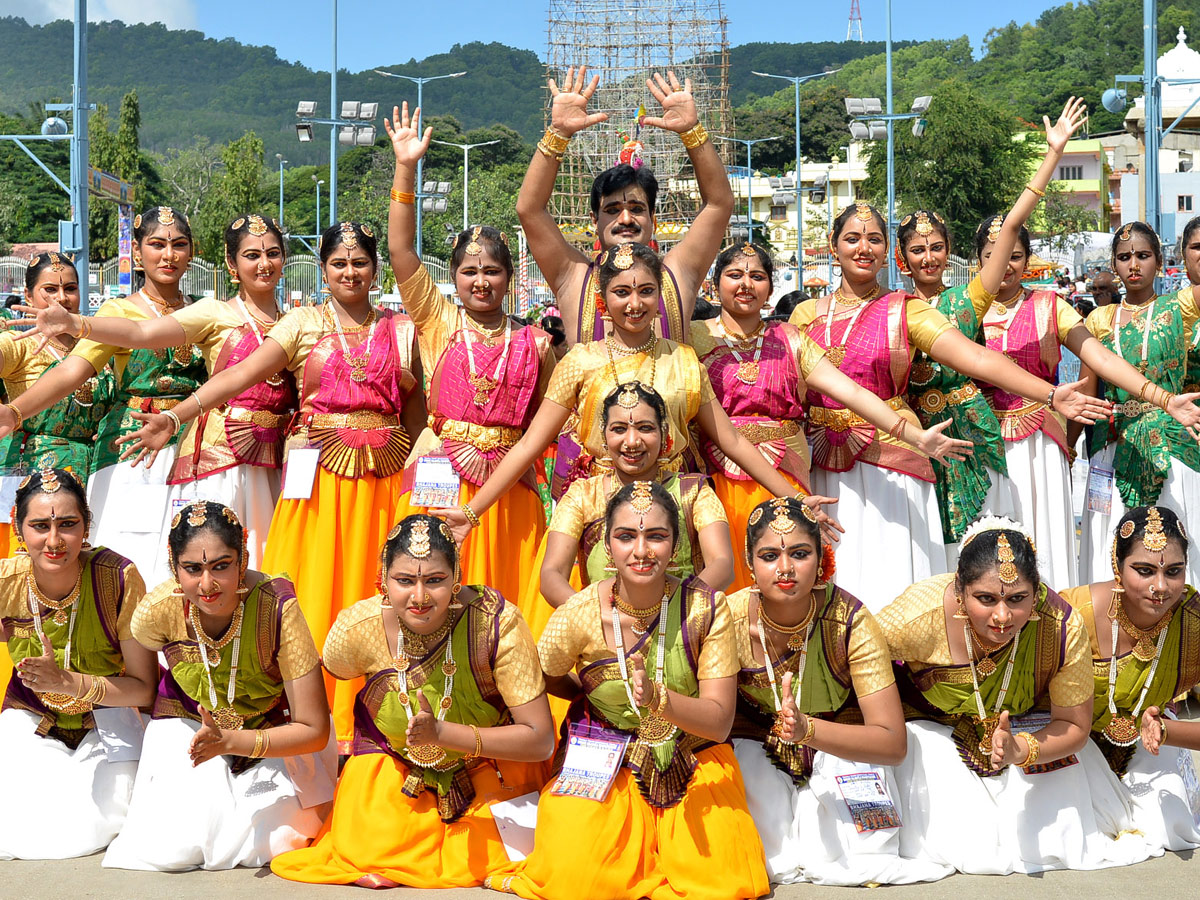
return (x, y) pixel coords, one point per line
(961, 613)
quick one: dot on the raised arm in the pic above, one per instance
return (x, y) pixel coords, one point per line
(555, 256)
(1072, 117)
(409, 146)
(690, 258)
(715, 423)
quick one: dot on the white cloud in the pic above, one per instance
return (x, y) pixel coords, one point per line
(172, 13)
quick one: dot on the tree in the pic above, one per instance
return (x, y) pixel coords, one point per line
(822, 126)
(965, 167)
(1064, 219)
(189, 174)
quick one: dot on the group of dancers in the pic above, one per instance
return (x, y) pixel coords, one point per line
(807, 599)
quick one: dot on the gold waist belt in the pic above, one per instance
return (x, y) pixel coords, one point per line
(844, 419)
(935, 401)
(1131, 409)
(259, 417)
(1026, 410)
(761, 432)
(157, 404)
(483, 437)
(363, 420)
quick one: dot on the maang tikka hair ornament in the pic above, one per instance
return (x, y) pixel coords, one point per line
(474, 248)
(622, 258)
(348, 235)
(166, 215)
(641, 500)
(781, 522)
(862, 212)
(257, 226)
(1154, 538)
(418, 540)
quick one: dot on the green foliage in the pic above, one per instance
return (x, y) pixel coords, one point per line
(822, 125)
(1062, 218)
(790, 59)
(967, 165)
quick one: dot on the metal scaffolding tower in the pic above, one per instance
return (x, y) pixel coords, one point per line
(624, 41)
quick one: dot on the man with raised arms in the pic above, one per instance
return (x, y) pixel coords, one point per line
(622, 203)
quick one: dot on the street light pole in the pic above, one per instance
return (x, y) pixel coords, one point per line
(893, 274)
(79, 154)
(282, 163)
(318, 183)
(420, 83)
(466, 149)
(796, 81)
(333, 132)
(749, 142)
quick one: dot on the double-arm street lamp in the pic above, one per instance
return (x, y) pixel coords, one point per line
(466, 149)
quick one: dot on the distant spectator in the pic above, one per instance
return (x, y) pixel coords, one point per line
(705, 309)
(553, 326)
(788, 302)
(1104, 289)
(9, 302)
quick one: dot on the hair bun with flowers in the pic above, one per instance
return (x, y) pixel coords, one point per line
(996, 523)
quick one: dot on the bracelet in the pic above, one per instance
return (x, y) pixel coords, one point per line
(170, 414)
(659, 703)
(1050, 398)
(199, 405)
(1142, 392)
(1162, 723)
(694, 136)
(474, 754)
(472, 516)
(85, 328)
(1166, 398)
(1035, 749)
(16, 415)
(553, 144)
(403, 196)
(803, 740)
(1030, 187)
(261, 741)
(897, 430)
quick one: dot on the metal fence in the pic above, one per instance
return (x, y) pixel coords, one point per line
(12, 274)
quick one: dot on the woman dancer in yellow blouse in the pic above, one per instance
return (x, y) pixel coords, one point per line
(674, 822)
(453, 718)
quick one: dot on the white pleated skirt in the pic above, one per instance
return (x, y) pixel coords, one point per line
(60, 803)
(129, 506)
(185, 817)
(1180, 493)
(1037, 493)
(809, 834)
(1077, 817)
(893, 534)
(1158, 790)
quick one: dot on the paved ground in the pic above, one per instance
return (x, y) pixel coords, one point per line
(1168, 877)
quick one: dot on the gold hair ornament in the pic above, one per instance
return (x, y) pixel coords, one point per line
(137, 221)
(755, 517)
(641, 499)
(197, 514)
(993, 233)
(748, 250)
(924, 227)
(348, 235)
(50, 483)
(56, 263)
(1128, 529)
(474, 248)
(166, 215)
(1154, 538)
(366, 229)
(1126, 232)
(237, 225)
(622, 257)
(418, 540)
(996, 523)
(863, 212)
(256, 226)
(781, 522)
(1005, 561)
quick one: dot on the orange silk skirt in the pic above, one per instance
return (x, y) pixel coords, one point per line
(739, 499)
(377, 836)
(704, 847)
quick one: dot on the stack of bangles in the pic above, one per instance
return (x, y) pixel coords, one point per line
(475, 754)
(897, 430)
(694, 136)
(1035, 749)
(1164, 396)
(472, 516)
(85, 328)
(262, 743)
(553, 145)
(404, 197)
(97, 688)
(804, 739)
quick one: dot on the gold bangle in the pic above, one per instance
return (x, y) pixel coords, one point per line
(199, 405)
(260, 743)
(1030, 187)
(85, 328)
(16, 415)
(659, 703)
(548, 153)
(1167, 397)
(170, 414)
(1035, 749)
(1162, 723)
(694, 136)
(1142, 392)
(472, 516)
(555, 141)
(808, 732)
(403, 196)
(475, 754)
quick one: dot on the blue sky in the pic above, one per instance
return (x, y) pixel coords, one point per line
(386, 32)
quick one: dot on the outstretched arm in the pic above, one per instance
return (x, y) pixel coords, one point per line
(691, 257)
(1057, 135)
(409, 146)
(51, 387)
(953, 349)
(715, 423)
(557, 258)
(156, 334)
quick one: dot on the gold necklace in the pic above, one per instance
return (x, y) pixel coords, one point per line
(649, 347)
(1137, 307)
(986, 664)
(840, 297)
(489, 335)
(794, 641)
(60, 607)
(235, 626)
(1145, 639)
(640, 616)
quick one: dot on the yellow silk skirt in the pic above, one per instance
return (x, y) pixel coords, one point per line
(328, 545)
(500, 552)
(377, 836)
(534, 606)
(739, 499)
(704, 847)
(7, 545)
